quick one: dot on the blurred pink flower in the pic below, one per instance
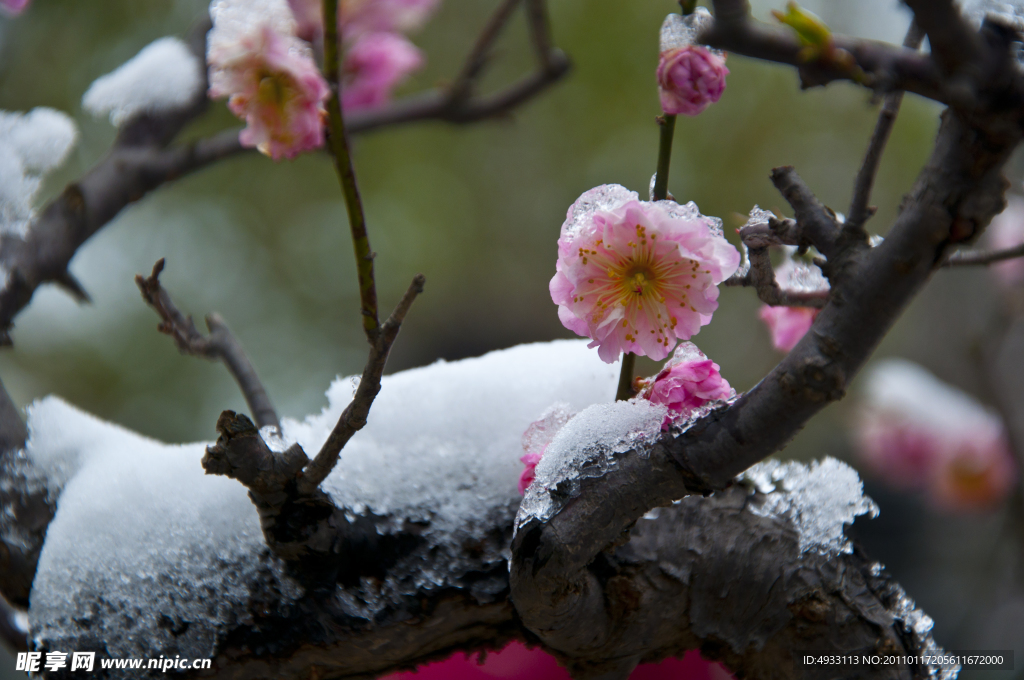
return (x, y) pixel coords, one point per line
(688, 381)
(373, 66)
(273, 84)
(636, 276)
(359, 17)
(1007, 231)
(14, 7)
(537, 437)
(517, 662)
(690, 78)
(787, 324)
(917, 433)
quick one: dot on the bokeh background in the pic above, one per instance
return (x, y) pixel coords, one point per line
(477, 210)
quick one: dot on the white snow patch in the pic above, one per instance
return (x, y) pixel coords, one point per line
(443, 442)
(31, 145)
(165, 75)
(819, 499)
(679, 31)
(140, 532)
(586, 446)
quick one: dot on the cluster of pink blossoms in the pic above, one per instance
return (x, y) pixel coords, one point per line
(377, 54)
(259, 59)
(637, 276)
(918, 434)
(690, 76)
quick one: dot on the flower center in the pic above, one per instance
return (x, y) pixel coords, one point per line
(642, 280)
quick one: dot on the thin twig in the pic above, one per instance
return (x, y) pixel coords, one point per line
(983, 257)
(353, 418)
(859, 210)
(338, 144)
(475, 62)
(220, 345)
(818, 225)
(758, 238)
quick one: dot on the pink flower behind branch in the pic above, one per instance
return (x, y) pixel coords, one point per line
(269, 76)
(690, 79)
(787, 325)
(636, 276)
(917, 433)
(537, 437)
(14, 7)
(688, 381)
(360, 17)
(373, 66)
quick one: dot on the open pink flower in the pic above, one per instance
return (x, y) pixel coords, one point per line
(269, 76)
(636, 276)
(14, 7)
(917, 433)
(690, 79)
(537, 437)
(688, 381)
(787, 324)
(373, 66)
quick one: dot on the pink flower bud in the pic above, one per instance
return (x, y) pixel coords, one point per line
(688, 381)
(373, 66)
(690, 78)
(637, 276)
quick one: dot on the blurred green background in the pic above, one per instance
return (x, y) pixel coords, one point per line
(477, 210)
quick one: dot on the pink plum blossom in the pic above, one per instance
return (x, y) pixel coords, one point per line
(637, 276)
(536, 438)
(690, 79)
(373, 66)
(1007, 231)
(918, 434)
(269, 76)
(359, 17)
(688, 381)
(787, 325)
(14, 7)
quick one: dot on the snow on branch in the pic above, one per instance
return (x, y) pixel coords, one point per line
(164, 76)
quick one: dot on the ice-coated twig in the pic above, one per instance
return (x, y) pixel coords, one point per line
(220, 344)
(353, 418)
(974, 258)
(758, 235)
(859, 210)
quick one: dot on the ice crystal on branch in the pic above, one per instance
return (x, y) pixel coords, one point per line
(688, 381)
(268, 74)
(31, 145)
(917, 433)
(164, 76)
(637, 276)
(788, 325)
(691, 77)
(537, 437)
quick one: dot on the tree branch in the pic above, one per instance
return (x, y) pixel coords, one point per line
(974, 258)
(219, 345)
(859, 210)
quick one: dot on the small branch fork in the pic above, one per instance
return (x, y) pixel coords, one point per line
(219, 345)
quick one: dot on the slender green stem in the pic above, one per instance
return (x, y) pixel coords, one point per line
(625, 390)
(688, 6)
(338, 140)
(667, 124)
